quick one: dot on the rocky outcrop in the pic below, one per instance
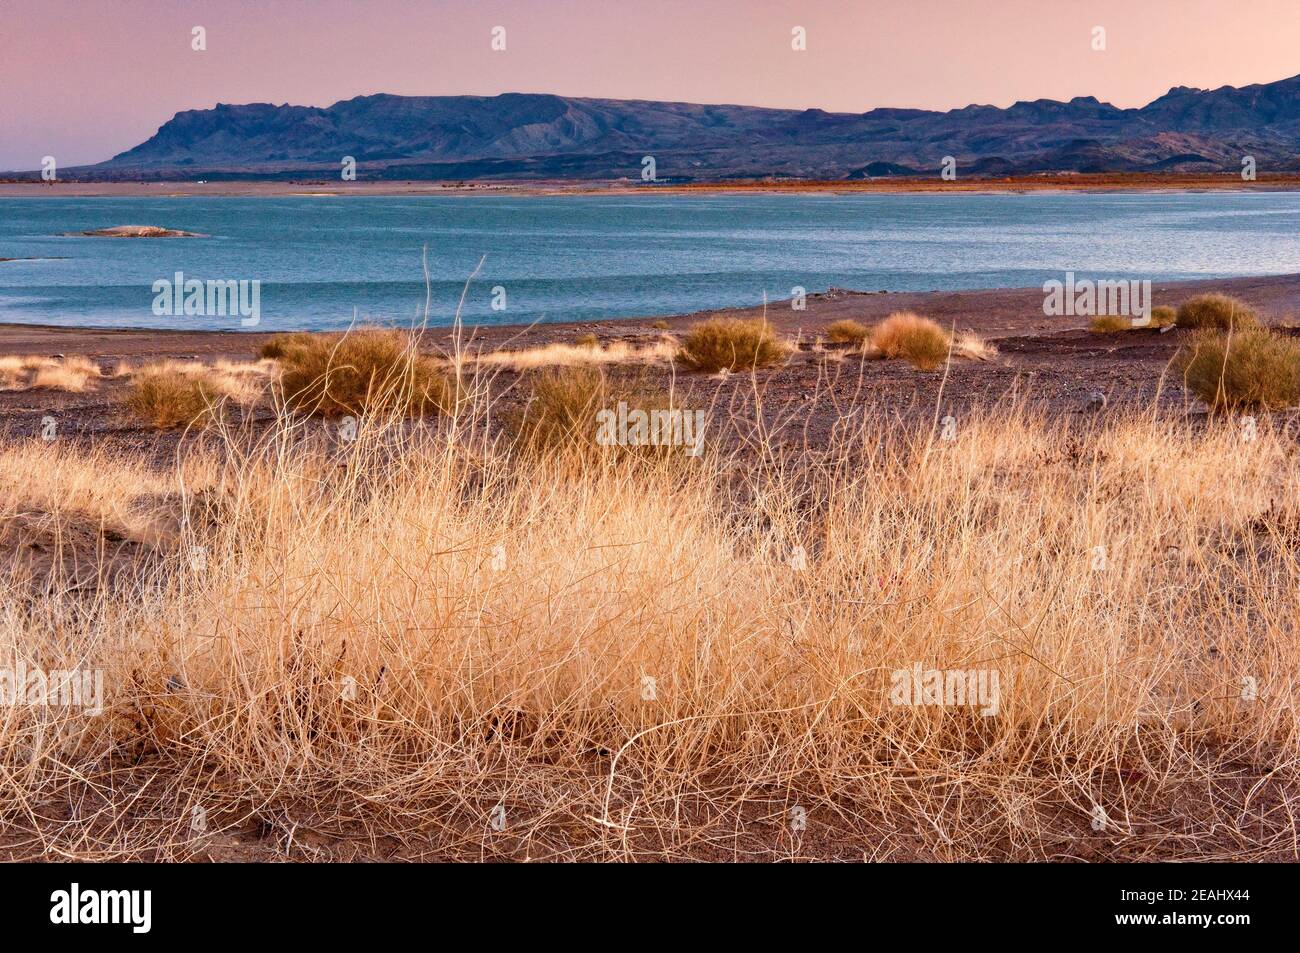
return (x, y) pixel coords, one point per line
(532, 136)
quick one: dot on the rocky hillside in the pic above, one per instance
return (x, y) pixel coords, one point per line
(518, 135)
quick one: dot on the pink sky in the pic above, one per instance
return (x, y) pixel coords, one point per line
(84, 79)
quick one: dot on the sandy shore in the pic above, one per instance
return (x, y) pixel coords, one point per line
(1054, 360)
(1031, 183)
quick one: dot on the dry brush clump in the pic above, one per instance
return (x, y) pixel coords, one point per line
(731, 344)
(573, 412)
(1217, 311)
(278, 345)
(1251, 368)
(847, 331)
(1162, 316)
(74, 374)
(398, 640)
(372, 370)
(169, 394)
(1110, 324)
(561, 354)
(561, 409)
(917, 340)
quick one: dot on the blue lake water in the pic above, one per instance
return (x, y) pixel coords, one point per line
(320, 259)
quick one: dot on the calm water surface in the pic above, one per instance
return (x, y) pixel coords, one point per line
(322, 259)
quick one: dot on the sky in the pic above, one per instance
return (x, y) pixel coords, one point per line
(82, 80)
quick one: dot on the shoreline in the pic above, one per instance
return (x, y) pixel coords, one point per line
(1057, 360)
(987, 311)
(259, 188)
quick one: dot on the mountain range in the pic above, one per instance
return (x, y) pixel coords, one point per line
(541, 136)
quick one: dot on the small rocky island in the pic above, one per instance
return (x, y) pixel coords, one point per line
(135, 231)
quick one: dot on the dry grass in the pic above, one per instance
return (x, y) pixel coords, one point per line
(731, 344)
(1251, 368)
(561, 410)
(917, 340)
(573, 355)
(847, 331)
(170, 394)
(1110, 324)
(626, 662)
(279, 345)
(167, 398)
(973, 347)
(561, 413)
(365, 371)
(1217, 311)
(1163, 316)
(75, 374)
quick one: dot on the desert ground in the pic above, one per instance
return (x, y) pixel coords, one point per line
(448, 628)
(1053, 360)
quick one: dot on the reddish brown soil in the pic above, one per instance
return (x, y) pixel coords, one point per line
(1056, 361)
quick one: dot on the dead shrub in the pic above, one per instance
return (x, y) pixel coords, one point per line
(1254, 367)
(917, 340)
(730, 344)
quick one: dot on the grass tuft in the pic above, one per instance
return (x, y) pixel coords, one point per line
(847, 331)
(75, 374)
(1110, 324)
(371, 370)
(731, 344)
(1218, 311)
(561, 411)
(917, 340)
(1163, 316)
(278, 346)
(1253, 367)
(165, 396)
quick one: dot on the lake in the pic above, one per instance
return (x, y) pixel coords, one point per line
(319, 260)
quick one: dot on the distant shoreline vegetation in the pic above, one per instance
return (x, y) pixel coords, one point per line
(75, 185)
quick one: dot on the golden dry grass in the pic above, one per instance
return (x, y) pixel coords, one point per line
(410, 636)
(847, 331)
(1161, 316)
(277, 346)
(75, 374)
(363, 371)
(731, 344)
(561, 410)
(170, 394)
(917, 340)
(562, 413)
(973, 347)
(1250, 368)
(573, 355)
(1217, 311)
(1110, 324)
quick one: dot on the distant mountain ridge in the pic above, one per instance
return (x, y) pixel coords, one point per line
(535, 135)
